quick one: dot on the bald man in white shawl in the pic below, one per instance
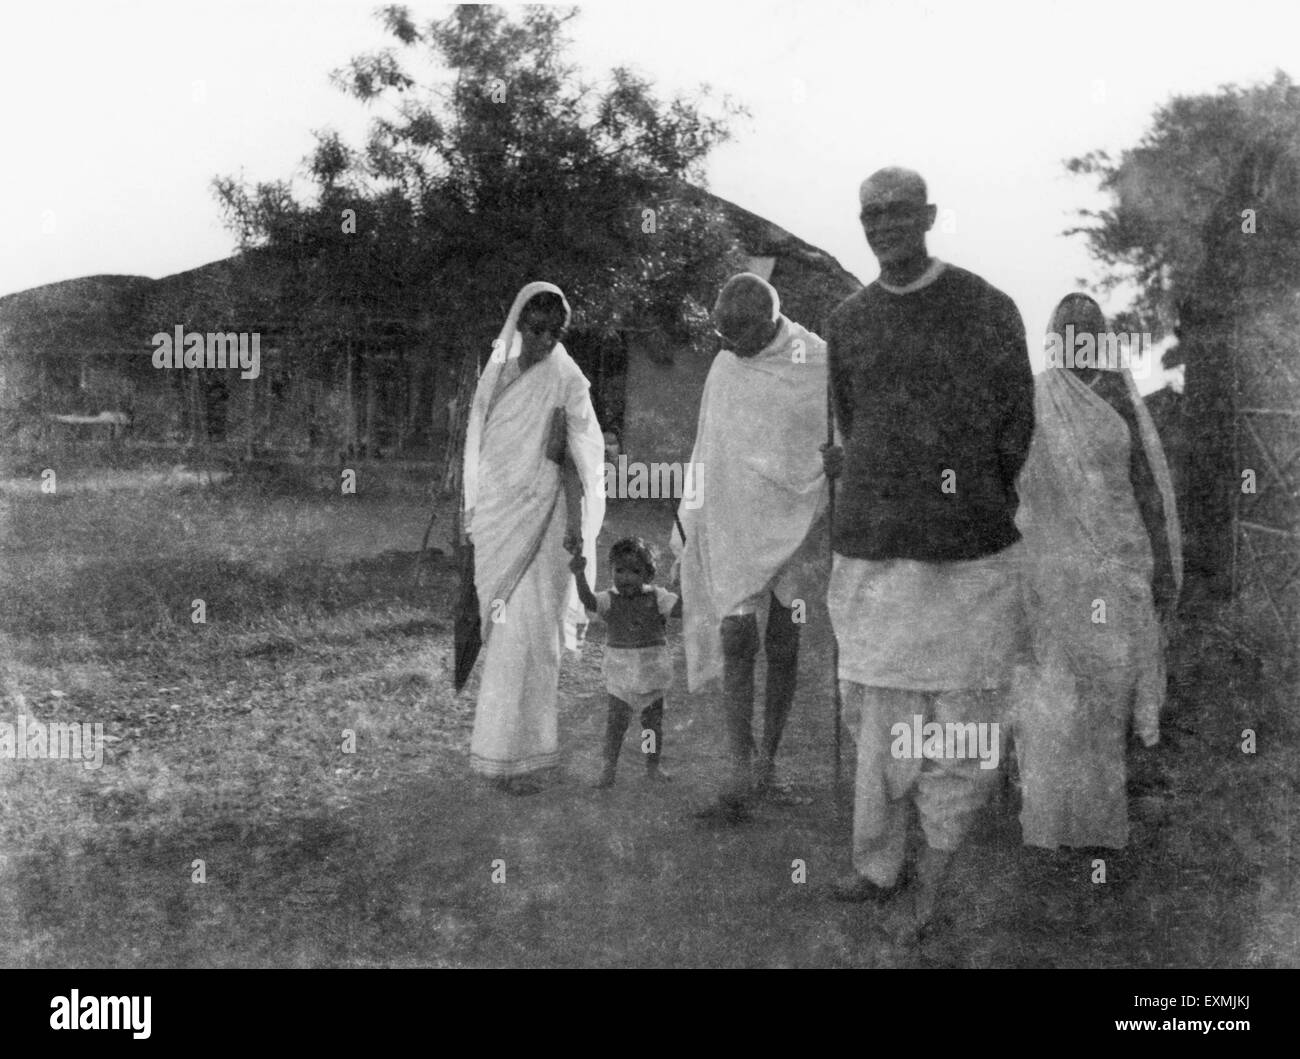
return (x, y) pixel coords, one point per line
(534, 487)
(762, 487)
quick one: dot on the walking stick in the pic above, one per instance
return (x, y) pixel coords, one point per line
(424, 544)
(835, 644)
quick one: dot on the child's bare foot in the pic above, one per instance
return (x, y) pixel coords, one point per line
(770, 789)
(658, 775)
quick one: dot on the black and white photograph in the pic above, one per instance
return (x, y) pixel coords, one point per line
(650, 485)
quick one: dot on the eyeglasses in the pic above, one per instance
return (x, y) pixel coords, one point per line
(894, 211)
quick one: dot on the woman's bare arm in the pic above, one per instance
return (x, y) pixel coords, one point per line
(572, 483)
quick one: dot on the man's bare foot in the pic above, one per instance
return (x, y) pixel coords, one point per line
(521, 786)
(912, 925)
(605, 781)
(858, 889)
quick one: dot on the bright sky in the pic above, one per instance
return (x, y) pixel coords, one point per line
(118, 114)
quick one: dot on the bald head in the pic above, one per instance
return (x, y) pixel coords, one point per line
(747, 313)
(895, 219)
(749, 298)
(897, 183)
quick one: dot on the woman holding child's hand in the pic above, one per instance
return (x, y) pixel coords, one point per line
(534, 465)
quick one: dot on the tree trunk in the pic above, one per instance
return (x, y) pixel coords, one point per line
(369, 440)
(198, 411)
(350, 415)
(1209, 318)
(251, 428)
(455, 448)
(412, 403)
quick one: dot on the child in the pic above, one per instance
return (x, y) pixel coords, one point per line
(637, 668)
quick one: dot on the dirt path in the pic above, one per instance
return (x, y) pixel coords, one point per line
(387, 857)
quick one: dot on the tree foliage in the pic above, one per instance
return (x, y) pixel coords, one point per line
(1206, 221)
(1178, 198)
(495, 166)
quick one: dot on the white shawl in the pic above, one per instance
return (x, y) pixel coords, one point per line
(758, 469)
(511, 488)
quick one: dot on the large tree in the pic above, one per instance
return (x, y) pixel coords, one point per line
(1205, 222)
(1181, 192)
(496, 165)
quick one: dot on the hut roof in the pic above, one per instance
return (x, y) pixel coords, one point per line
(810, 281)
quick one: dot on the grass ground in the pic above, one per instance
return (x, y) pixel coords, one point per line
(224, 745)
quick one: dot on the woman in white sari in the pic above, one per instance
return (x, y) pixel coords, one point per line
(1103, 568)
(534, 487)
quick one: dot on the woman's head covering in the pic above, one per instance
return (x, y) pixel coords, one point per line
(508, 344)
(1075, 315)
(1058, 416)
(1079, 310)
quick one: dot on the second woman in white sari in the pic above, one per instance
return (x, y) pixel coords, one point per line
(1103, 567)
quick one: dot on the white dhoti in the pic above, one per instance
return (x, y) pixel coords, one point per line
(938, 641)
(902, 623)
(948, 790)
(791, 582)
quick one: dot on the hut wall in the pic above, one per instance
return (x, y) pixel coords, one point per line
(1266, 521)
(662, 402)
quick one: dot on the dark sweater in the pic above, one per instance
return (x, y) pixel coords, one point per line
(924, 383)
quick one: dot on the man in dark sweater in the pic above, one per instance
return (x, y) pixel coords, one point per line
(933, 398)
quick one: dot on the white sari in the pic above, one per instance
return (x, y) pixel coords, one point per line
(515, 516)
(1098, 653)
